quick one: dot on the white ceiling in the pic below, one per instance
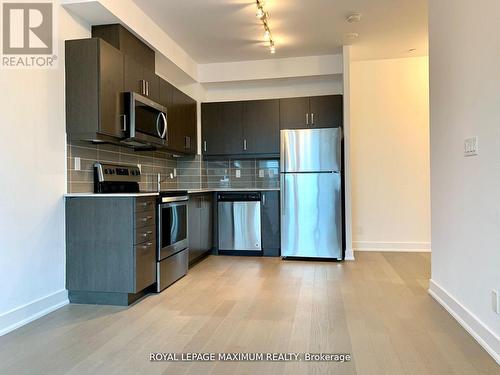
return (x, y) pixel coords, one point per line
(227, 30)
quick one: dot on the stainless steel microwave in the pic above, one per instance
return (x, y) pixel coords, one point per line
(145, 122)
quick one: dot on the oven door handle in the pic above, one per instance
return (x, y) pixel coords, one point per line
(183, 198)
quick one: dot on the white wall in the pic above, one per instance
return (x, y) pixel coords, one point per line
(273, 88)
(32, 255)
(465, 102)
(390, 154)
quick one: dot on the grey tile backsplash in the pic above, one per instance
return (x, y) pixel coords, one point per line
(195, 173)
(151, 163)
(175, 173)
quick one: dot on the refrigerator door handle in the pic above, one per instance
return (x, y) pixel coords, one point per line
(283, 194)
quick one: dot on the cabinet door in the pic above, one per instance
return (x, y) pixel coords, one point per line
(222, 126)
(194, 222)
(178, 121)
(145, 265)
(206, 223)
(326, 111)
(271, 223)
(191, 128)
(261, 127)
(110, 90)
(294, 113)
(153, 84)
(133, 75)
(166, 93)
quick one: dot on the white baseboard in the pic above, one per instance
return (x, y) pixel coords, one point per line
(22, 315)
(417, 247)
(471, 323)
(349, 254)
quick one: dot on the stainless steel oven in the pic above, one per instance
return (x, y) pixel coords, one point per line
(172, 225)
(173, 252)
(145, 122)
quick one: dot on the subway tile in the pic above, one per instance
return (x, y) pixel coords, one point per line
(81, 187)
(84, 153)
(108, 156)
(81, 176)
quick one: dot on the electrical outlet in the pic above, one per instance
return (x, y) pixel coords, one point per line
(261, 173)
(471, 146)
(495, 301)
(78, 164)
(140, 167)
(238, 173)
(270, 173)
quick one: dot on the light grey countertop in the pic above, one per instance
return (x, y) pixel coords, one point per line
(155, 193)
(147, 194)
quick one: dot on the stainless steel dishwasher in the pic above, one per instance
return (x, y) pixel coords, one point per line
(239, 223)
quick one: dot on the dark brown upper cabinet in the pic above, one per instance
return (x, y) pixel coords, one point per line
(261, 126)
(127, 43)
(94, 85)
(326, 111)
(182, 123)
(139, 59)
(181, 118)
(222, 128)
(242, 129)
(311, 112)
(139, 79)
(294, 113)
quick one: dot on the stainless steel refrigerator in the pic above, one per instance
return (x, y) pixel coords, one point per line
(311, 193)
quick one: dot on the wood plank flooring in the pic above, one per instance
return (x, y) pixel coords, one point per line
(376, 308)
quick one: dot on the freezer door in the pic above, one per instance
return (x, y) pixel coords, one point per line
(239, 226)
(311, 215)
(311, 150)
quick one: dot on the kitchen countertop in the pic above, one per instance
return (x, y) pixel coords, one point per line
(155, 193)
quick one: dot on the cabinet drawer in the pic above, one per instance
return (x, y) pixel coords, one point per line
(145, 219)
(145, 265)
(145, 234)
(145, 204)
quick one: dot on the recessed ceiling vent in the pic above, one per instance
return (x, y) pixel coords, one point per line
(354, 18)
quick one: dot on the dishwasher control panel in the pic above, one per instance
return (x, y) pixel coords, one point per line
(239, 197)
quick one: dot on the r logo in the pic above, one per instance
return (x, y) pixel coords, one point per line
(27, 28)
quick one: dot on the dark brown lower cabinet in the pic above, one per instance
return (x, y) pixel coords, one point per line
(270, 216)
(110, 249)
(200, 224)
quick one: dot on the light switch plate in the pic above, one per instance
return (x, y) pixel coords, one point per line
(175, 172)
(78, 164)
(471, 146)
(261, 173)
(495, 301)
(238, 173)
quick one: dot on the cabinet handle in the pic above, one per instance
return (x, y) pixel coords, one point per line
(307, 118)
(244, 145)
(147, 88)
(312, 118)
(205, 146)
(148, 233)
(263, 199)
(143, 87)
(187, 142)
(147, 246)
(146, 219)
(124, 122)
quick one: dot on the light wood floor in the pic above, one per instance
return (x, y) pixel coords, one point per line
(376, 308)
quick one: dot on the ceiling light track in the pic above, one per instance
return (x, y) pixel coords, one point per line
(264, 17)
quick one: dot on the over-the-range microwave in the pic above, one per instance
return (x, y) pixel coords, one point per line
(145, 122)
